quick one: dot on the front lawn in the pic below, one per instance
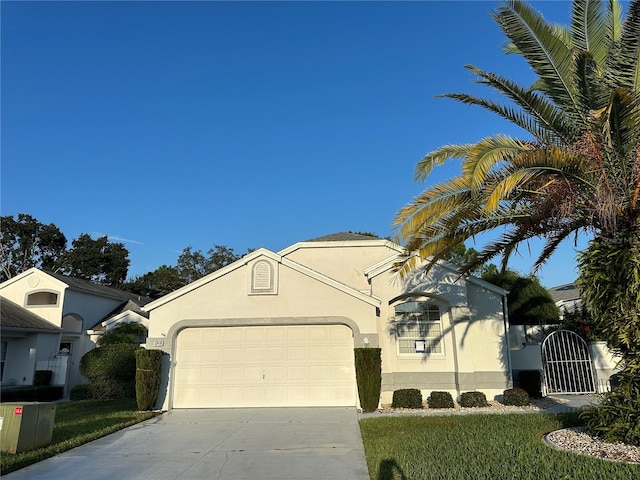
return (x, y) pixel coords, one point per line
(76, 423)
(478, 447)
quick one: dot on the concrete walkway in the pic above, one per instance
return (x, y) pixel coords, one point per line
(224, 444)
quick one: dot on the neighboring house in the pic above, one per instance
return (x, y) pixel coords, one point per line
(279, 329)
(80, 311)
(566, 297)
(25, 340)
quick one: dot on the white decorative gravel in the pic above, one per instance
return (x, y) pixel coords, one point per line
(577, 440)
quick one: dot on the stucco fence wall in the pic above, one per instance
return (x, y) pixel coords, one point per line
(529, 357)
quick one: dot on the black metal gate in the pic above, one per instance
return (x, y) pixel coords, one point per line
(567, 364)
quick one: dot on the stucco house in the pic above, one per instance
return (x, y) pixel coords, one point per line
(279, 329)
(50, 320)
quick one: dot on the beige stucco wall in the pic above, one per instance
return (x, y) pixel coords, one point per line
(18, 288)
(343, 261)
(475, 353)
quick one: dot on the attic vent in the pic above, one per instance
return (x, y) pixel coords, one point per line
(262, 278)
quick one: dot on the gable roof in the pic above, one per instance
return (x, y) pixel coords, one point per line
(343, 237)
(14, 317)
(564, 293)
(86, 286)
(262, 252)
(128, 306)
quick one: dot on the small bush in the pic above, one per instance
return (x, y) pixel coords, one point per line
(148, 375)
(440, 400)
(368, 377)
(473, 399)
(531, 382)
(81, 392)
(109, 390)
(617, 417)
(110, 362)
(42, 378)
(407, 398)
(516, 396)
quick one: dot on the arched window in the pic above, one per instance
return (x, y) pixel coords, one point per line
(418, 328)
(71, 323)
(38, 299)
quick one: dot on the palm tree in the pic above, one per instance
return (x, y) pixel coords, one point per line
(576, 169)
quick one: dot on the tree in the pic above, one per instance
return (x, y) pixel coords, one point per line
(576, 169)
(193, 265)
(128, 332)
(25, 243)
(528, 302)
(97, 260)
(162, 280)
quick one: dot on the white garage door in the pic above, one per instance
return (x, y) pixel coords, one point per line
(301, 365)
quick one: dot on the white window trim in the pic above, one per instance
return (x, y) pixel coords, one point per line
(41, 305)
(441, 311)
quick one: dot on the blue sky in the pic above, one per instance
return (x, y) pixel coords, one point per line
(245, 124)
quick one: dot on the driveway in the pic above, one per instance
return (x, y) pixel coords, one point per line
(224, 444)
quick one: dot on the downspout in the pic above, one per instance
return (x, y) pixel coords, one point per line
(505, 315)
(456, 376)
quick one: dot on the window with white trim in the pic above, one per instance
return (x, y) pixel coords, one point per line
(39, 299)
(418, 328)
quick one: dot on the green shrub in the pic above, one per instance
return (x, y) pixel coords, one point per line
(407, 398)
(531, 382)
(516, 396)
(42, 378)
(110, 390)
(473, 399)
(148, 375)
(111, 362)
(440, 400)
(617, 417)
(368, 377)
(81, 392)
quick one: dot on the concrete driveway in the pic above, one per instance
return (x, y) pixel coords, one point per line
(224, 444)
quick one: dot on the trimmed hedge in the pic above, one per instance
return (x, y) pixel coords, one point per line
(368, 363)
(81, 392)
(516, 396)
(407, 398)
(440, 400)
(32, 394)
(148, 375)
(473, 399)
(111, 370)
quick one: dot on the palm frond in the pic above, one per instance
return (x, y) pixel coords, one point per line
(487, 154)
(590, 29)
(625, 67)
(547, 114)
(438, 157)
(540, 45)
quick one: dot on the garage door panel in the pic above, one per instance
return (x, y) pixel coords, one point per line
(210, 375)
(296, 354)
(211, 356)
(254, 355)
(340, 353)
(276, 373)
(319, 353)
(297, 365)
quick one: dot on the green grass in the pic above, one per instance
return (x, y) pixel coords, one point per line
(476, 447)
(76, 423)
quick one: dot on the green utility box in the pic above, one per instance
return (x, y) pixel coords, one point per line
(26, 425)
